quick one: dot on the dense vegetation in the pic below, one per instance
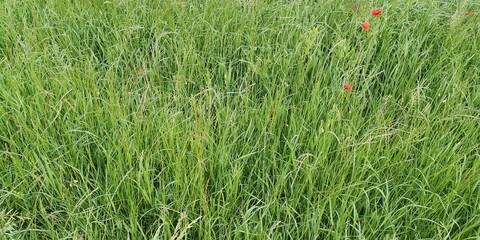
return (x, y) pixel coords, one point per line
(229, 119)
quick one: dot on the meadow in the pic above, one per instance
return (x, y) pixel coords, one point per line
(240, 119)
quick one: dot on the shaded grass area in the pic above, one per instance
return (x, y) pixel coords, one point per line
(228, 119)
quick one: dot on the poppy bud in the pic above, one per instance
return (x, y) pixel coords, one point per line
(347, 87)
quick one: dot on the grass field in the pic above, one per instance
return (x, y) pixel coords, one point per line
(229, 119)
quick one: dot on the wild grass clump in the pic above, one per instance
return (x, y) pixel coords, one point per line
(239, 119)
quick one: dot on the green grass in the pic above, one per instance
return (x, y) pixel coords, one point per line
(238, 126)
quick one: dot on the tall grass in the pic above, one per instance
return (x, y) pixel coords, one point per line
(228, 120)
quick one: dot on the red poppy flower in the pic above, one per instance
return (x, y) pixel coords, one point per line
(355, 8)
(376, 12)
(347, 87)
(469, 13)
(366, 26)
